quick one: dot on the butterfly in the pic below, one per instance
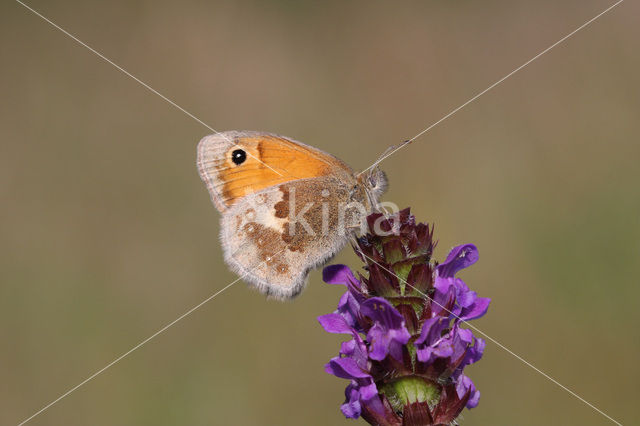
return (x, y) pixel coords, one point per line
(286, 207)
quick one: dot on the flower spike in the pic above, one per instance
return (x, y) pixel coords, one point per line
(408, 349)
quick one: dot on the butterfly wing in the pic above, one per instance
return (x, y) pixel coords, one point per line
(272, 238)
(235, 164)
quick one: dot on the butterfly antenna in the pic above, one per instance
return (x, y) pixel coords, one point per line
(388, 152)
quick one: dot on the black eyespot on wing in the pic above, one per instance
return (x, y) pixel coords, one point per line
(238, 156)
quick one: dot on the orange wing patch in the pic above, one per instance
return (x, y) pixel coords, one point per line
(253, 175)
(235, 164)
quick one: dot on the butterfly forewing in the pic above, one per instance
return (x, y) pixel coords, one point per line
(267, 160)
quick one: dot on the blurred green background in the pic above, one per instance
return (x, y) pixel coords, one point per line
(107, 232)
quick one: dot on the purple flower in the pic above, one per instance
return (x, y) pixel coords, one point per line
(464, 386)
(432, 344)
(349, 305)
(388, 335)
(407, 353)
(466, 303)
(458, 346)
(335, 323)
(459, 257)
(352, 363)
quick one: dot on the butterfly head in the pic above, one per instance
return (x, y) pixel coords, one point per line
(375, 184)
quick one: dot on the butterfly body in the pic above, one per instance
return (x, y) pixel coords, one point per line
(286, 207)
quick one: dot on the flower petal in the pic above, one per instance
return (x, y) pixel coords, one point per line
(349, 308)
(474, 398)
(345, 368)
(382, 312)
(338, 274)
(459, 258)
(351, 407)
(478, 309)
(432, 330)
(368, 391)
(379, 340)
(388, 332)
(335, 323)
(430, 345)
(465, 385)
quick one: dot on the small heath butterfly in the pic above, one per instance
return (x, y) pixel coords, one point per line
(286, 207)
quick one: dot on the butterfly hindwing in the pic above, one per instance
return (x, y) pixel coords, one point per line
(263, 247)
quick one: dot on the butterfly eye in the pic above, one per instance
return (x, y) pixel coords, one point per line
(238, 156)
